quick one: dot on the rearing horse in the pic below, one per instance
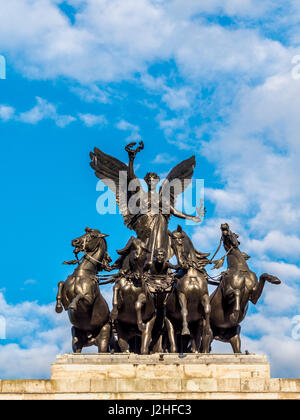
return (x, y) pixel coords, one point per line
(238, 286)
(80, 294)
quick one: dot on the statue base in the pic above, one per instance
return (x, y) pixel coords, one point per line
(157, 376)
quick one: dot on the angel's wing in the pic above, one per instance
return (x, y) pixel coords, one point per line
(108, 169)
(180, 176)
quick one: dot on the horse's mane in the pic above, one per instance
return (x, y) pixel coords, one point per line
(199, 258)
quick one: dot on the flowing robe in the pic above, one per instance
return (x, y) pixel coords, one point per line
(151, 224)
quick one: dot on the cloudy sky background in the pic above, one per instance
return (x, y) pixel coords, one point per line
(218, 79)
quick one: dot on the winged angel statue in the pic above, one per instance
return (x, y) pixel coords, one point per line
(145, 212)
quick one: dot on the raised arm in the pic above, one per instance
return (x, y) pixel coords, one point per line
(132, 154)
(182, 215)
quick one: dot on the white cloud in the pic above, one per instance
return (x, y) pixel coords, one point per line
(173, 126)
(45, 110)
(90, 120)
(133, 129)
(113, 40)
(41, 334)
(30, 281)
(282, 299)
(286, 271)
(6, 112)
(282, 352)
(230, 201)
(274, 338)
(177, 99)
(276, 243)
(28, 363)
(92, 94)
(164, 158)
(244, 8)
(257, 154)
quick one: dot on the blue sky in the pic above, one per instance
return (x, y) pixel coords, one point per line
(212, 79)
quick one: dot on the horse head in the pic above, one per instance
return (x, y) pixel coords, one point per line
(229, 238)
(181, 246)
(89, 242)
(137, 257)
(139, 250)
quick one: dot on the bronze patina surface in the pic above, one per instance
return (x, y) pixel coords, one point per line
(157, 306)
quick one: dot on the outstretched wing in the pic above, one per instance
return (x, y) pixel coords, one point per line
(178, 180)
(108, 169)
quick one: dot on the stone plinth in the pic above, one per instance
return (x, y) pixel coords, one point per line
(160, 366)
(159, 376)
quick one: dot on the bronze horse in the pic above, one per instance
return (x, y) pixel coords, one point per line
(137, 313)
(189, 308)
(159, 283)
(80, 294)
(238, 286)
(126, 297)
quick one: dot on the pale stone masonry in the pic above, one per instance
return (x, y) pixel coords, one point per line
(158, 376)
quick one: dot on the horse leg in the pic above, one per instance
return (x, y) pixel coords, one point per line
(158, 347)
(77, 340)
(229, 335)
(235, 340)
(194, 345)
(184, 313)
(147, 335)
(207, 332)
(74, 303)
(123, 340)
(84, 292)
(171, 335)
(115, 302)
(196, 329)
(207, 337)
(141, 300)
(236, 344)
(237, 306)
(257, 291)
(59, 307)
(103, 338)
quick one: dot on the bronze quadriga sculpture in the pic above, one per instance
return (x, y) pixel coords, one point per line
(156, 306)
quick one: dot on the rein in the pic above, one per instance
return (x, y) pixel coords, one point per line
(86, 256)
(211, 260)
(219, 263)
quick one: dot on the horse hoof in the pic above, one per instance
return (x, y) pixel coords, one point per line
(274, 280)
(185, 331)
(58, 308)
(270, 279)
